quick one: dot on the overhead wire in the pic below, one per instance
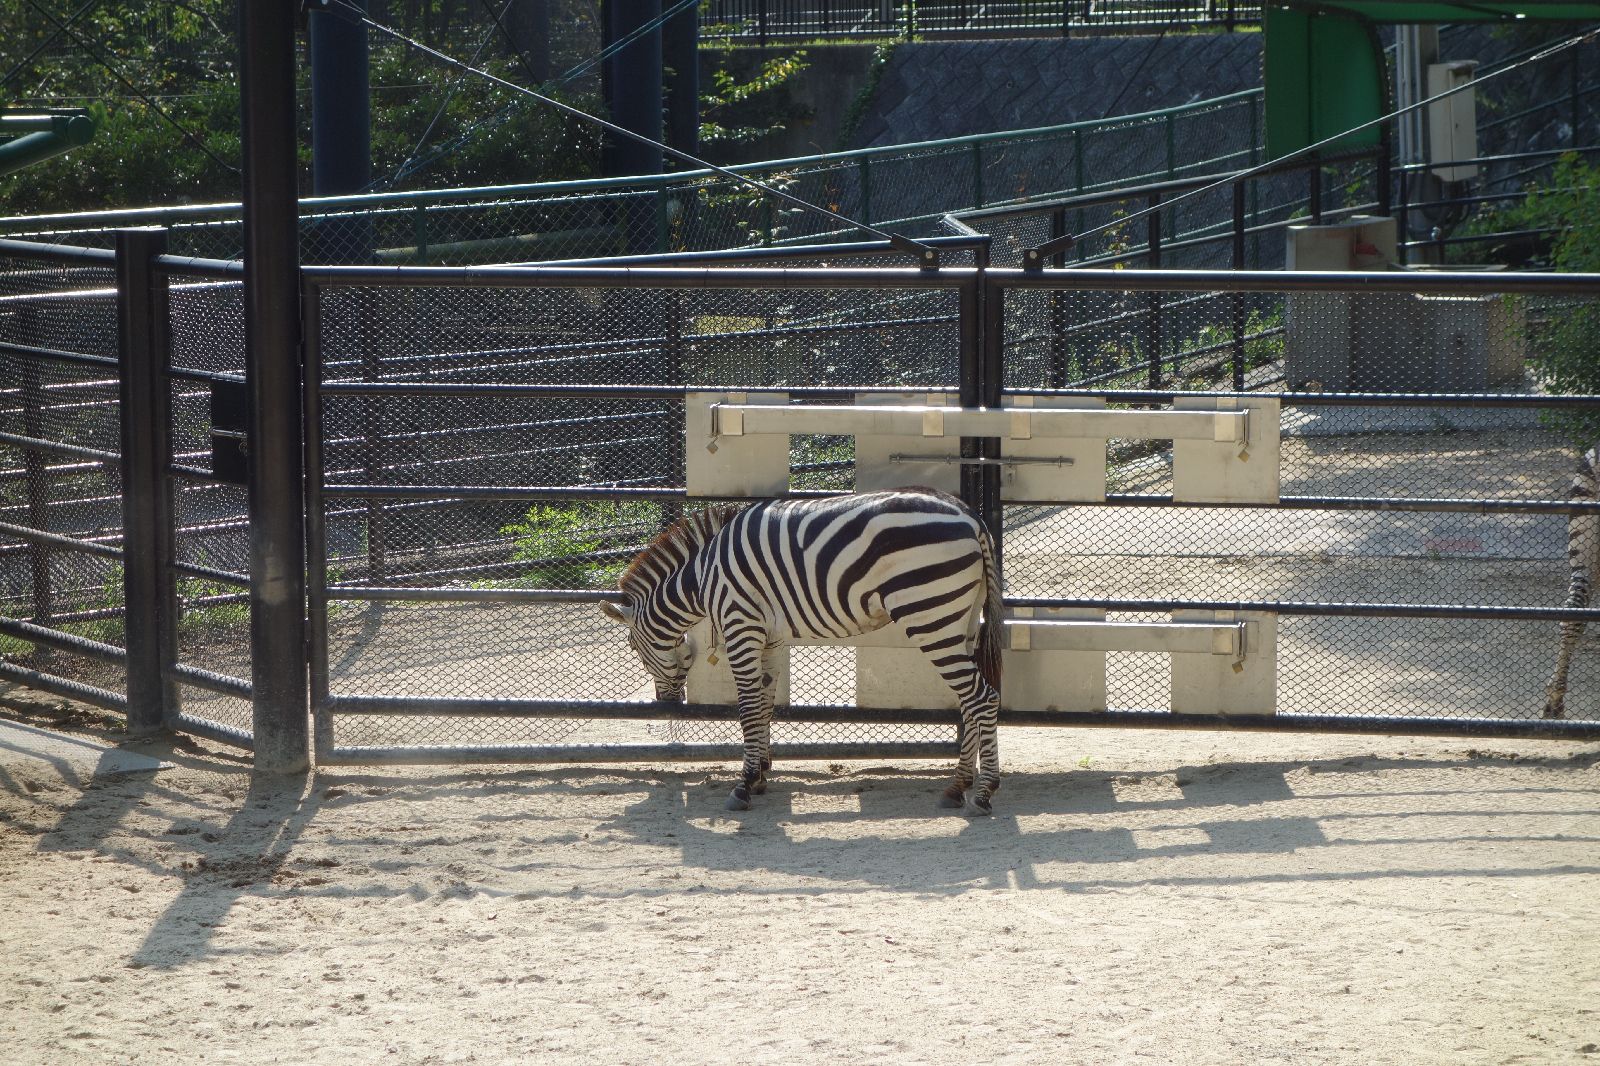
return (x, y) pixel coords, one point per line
(22, 63)
(139, 93)
(443, 104)
(900, 241)
(502, 114)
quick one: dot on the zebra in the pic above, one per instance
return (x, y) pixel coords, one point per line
(1583, 557)
(838, 567)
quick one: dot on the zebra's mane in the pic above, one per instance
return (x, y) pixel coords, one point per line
(674, 546)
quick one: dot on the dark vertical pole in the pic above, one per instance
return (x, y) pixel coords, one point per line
(1152, 331)
(34, 466)
(272, 336)
(1236, 299)
(1060, 352)
(146, 402)
(970, 389)
(1573, 98)
(636, 105)
(680, 59)
(761, 23)
(1385, 178)
(316, 526)
(1314, 190)
(991, 386)
(1404, 229)
(341, 125)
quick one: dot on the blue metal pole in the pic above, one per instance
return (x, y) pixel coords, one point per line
(341, 127)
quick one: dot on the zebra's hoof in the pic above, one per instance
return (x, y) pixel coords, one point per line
(1555, 710)
(977, 806)
(951, 799)
(738, 799)
(758, 787)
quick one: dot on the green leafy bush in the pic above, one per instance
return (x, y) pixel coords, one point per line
(1565, 334)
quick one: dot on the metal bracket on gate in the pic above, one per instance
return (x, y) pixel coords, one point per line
(230, 441)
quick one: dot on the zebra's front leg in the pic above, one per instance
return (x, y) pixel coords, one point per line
(753, 712)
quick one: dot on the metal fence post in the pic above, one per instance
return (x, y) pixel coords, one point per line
(35, 470)
(146, 402)
(1236, 299)
(865, 170)
(977, 173)
(281, 724)
(1060, 352)
(1152, 332)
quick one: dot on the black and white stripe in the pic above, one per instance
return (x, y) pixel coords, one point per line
(1583, 559)
(801, 569)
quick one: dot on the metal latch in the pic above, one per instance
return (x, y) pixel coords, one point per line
(230, 441)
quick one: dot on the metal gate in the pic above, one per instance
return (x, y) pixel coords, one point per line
(489, 447)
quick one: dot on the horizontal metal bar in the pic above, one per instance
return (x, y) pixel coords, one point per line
(193, 266)
(1443, 282)
(1488, 725)
(57, 253)
(56, 540)
(606, 392)
(64, 687)
(538, 277)
(67, 642)
(1332, 399)
(732, 256)
(210, 680)
(29, 351)
(1328, 610)
(456, 493)
(204, 377)
(1201, 638)
(52, 447)
(1343, 503)
(734, 419)
(466, 595)
(227, 577)
(621, 753)
(209, 730)
(963, 460)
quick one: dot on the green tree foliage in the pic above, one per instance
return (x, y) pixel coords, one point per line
(161, 81)
(1565, 346)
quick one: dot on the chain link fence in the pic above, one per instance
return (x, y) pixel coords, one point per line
(62, 609)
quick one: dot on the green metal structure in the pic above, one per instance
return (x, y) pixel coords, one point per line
(1325, 69)
(37, 136)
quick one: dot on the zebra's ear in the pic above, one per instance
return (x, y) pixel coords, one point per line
(617, 612)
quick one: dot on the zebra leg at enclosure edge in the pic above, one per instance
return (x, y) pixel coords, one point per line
(1555, 693)
(746, 646)
(1583, 558)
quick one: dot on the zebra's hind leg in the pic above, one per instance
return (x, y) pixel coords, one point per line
(748, 676)
(983, 719)
(1555, 693)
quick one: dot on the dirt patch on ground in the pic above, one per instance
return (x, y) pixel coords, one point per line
(1190, 897)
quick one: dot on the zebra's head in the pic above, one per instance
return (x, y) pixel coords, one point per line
(666, 655)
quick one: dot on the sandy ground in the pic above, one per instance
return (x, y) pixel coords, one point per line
(1139, 896)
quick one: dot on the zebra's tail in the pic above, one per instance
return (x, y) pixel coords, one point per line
(991, 637)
